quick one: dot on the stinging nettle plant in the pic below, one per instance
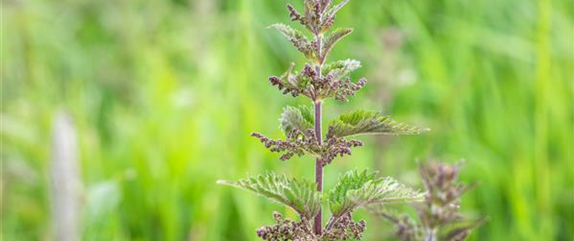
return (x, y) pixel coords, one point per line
(439, 217)
(319, 81)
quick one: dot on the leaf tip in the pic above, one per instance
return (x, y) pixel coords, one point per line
(274, 25)
(222, 182)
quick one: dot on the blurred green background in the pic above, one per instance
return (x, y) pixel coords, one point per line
(164, 94)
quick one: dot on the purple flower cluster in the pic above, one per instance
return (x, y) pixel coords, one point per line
(341, 228)
(287, 229)
(298, 143)
(344, 228)
(337, 146)
(309, 83)
(318, 16)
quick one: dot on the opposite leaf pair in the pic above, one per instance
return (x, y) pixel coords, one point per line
(354, 190)
(297, 124)
(332, 80)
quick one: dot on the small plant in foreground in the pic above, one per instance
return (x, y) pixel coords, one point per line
(319, 81)
(439, 216)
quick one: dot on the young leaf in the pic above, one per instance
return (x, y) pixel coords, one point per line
(336, 8)
(332, 39)
(459, 230)
(370, 122)
(287, 80)
(359, 189)
(299, 118)
(300, 195)
(341, 67)
(290, 33)
(298, 39)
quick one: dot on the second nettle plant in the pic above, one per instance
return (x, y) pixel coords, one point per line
(319, 81)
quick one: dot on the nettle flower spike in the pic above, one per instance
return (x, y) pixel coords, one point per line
(439, 215)
(318, 80)
(319, 16)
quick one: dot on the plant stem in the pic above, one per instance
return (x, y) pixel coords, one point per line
(318, 165)
(318, 223)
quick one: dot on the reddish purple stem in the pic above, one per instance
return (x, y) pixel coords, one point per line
(318, 166)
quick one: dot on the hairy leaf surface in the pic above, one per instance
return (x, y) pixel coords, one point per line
(300, 195)
(358, 189)
(290, 33)
(370, 122)
(298, 39)
(299, 118)
(454, 231)
(341, 67)
(332, 39)
(331, 12)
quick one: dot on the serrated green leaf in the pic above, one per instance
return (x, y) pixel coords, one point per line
(341, 67)
(370, 122)
(298, 39)
(351, 180)
(299, 118)
(453, 231)
(336, 8)
(359, 189)
(332, 39)
(290, 33)
(300, 195)
(383, 191)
